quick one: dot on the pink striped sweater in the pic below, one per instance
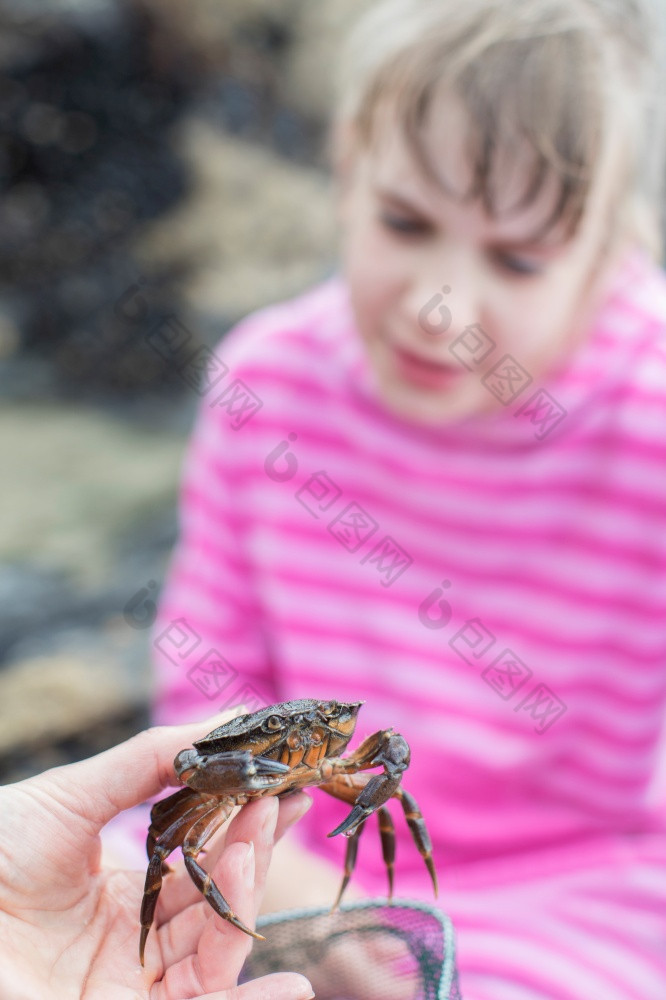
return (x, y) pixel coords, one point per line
(494, 589)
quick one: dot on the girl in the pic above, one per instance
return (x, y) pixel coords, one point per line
(437, 482)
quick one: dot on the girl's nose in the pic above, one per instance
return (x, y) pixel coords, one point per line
(444, 301)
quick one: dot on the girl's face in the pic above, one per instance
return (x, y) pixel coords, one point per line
(422, 268)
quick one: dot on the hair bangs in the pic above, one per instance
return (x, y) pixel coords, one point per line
(531, 104)
(542, 83)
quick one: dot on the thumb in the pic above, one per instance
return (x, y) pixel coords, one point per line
(129, 773)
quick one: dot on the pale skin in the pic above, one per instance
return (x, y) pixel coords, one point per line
(69, 926)
(403, 238)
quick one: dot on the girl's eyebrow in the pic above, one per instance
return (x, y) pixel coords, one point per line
(535, 240)
(398, 200)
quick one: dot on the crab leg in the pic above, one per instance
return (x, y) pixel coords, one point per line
(350, 863)
(367, 794)
(203, 829)
(165, 812)
(365, 755)
(166, 842)
(387, 835)
(419, 830)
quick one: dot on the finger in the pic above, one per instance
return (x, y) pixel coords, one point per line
(180, 892)
(216, 950)
(256, 823)
(129, 773)
(179, 938)
(292, 808)
(279, 986)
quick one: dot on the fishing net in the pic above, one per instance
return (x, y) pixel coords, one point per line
(366, 950)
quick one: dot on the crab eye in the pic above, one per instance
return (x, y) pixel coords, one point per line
(274, 722)
(329, 708)
(298, 719)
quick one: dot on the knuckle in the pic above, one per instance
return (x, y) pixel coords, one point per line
(152, 737)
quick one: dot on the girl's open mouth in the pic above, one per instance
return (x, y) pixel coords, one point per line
(427, 374)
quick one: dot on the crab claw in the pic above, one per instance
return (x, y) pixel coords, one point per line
(263, 765)
(229, 772)
(350, 824)
(378, 790)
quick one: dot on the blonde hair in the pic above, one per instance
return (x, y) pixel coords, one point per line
(554, 73)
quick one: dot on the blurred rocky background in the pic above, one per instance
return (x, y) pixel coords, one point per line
(162, 166)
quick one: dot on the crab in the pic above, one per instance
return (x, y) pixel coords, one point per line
(278, 751)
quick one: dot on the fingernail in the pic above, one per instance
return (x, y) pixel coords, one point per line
(248, 867)
(270, 822)
(304, 806)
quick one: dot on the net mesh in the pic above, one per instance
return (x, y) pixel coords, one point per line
(366, 950)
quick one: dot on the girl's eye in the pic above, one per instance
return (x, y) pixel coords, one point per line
(400, 224)
(518, 265)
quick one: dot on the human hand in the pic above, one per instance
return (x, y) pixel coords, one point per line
(69, 928)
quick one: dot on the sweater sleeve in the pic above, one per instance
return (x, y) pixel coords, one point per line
(208, 644)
